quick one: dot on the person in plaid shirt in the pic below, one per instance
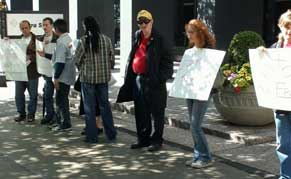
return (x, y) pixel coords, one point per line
(94, 57)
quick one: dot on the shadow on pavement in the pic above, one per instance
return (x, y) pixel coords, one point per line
(33, 151)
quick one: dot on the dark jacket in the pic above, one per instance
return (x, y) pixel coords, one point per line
(31, 52)
(279, 45)
(159, 68)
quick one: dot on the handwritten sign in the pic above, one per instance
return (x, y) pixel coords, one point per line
(271, 71)
(13, 59)
(196, 74)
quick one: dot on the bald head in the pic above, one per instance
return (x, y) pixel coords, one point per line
(25, 28)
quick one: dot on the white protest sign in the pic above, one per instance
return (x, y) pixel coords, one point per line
(13, 59)
(197, 73)
(271, 72)
(44, 65)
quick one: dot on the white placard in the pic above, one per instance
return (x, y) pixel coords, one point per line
(197, 73)
(13, 59)
(44, 65)
(271, 72)
(35, 19)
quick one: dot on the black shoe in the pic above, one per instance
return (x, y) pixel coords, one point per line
(91, 141)
(52, 122)
(45, 121)
(154, 147)
(30, 118)
(139, 145)
(20, 118)
(83, 131)
(100, 131)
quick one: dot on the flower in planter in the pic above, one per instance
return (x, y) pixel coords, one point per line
(238, 77)
(237, 70)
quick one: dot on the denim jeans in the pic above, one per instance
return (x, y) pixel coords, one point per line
(89, 93)
(62, 104)
(283, 136)
(48, 99)
(20, 87)
(197, 110)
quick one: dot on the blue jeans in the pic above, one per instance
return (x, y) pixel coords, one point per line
(197, 110)
(20, 87)
(89, 93)
(48, 98)
(62, 104)
(283, 136)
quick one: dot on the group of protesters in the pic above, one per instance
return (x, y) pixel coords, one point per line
(94, 73)
(150, 65)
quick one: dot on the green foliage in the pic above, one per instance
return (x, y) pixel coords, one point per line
(237, 52)
(237, 72)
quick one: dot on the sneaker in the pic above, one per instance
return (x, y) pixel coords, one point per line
(62, 128)
(201, 164)
(51, 126)
(189, 162)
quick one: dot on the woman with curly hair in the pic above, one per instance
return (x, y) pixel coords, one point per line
(283, 118)
(199, 37)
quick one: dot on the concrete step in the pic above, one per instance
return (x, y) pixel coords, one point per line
(213, 125)
(117, 51)
(177, 116)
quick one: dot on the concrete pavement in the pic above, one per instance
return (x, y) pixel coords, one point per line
(33, 151)
(249, 150)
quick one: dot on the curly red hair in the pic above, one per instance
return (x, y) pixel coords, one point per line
(204, 36)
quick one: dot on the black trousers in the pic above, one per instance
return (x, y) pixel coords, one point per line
(62, 104)
(145, 112)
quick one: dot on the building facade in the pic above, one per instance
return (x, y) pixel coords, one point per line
(224, 17)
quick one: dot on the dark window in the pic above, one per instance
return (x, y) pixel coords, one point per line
(272, 12)
(187, 10)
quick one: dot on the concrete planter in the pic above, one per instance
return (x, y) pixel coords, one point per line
(242, 108)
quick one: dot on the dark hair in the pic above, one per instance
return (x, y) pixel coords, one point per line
(48, 19)
(92, 32)
(25, 21)
(61, 25)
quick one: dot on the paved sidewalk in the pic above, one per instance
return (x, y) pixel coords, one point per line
(249, 149)
(251, 146)
(33, 151)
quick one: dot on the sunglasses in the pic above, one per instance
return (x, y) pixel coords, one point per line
(145, 21)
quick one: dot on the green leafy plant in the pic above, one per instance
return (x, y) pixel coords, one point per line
(237, 70)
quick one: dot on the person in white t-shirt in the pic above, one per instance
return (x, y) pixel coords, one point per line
(49, 40)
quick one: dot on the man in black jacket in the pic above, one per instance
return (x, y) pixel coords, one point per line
(32, 84)
(149, 66)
